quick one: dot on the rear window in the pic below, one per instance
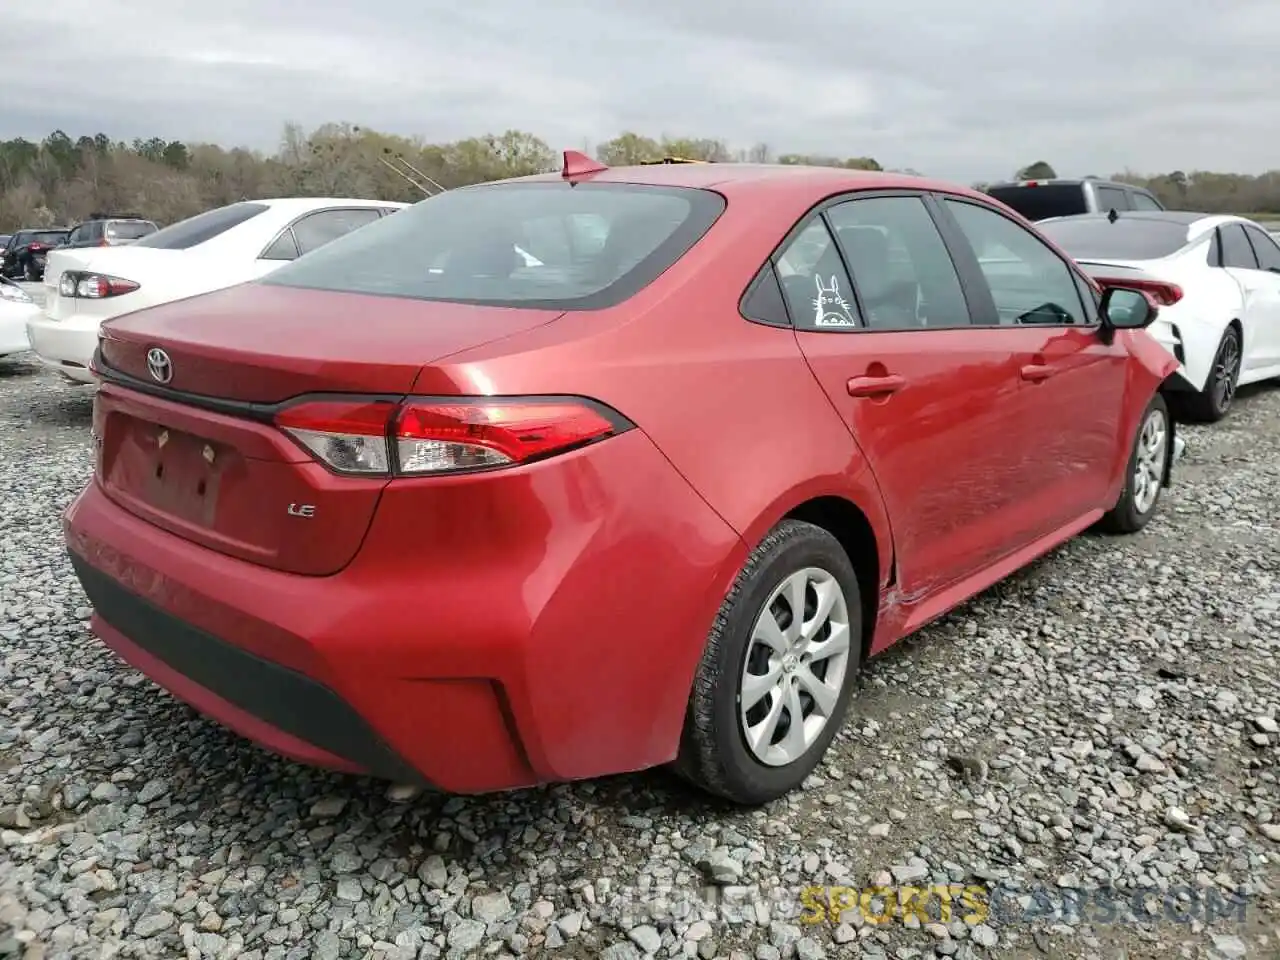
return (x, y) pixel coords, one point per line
(202, 227)
(550, 245)
(1129, 238)
(129, 229)
(46, 236)
(1042, 202)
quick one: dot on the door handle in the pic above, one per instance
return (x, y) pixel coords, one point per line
(875, 386)
(1037, 371)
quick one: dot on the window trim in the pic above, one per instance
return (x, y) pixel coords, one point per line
(819, 210)
(984, 289)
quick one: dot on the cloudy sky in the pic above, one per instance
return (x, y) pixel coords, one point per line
(965, 91)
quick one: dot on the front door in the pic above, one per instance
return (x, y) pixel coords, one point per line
(1070, 394)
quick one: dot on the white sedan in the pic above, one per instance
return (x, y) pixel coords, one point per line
(17, 309)
(213, 250)
(1217, 279)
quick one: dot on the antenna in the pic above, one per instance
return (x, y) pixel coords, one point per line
(578, 164)
(398, 171)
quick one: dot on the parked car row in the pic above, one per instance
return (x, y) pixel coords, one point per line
(23, 254)
(592, 471)
(85, 285)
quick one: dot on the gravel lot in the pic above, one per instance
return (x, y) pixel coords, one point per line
(1106, 719)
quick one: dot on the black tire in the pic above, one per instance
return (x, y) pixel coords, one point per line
(714, 754)
(1126, 516)
(1212, 403)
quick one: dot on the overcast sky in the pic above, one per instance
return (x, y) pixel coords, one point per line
(964, 91)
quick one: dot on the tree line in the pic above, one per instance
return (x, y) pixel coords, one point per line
(60, 180)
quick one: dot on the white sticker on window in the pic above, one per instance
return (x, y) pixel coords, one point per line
(830, 309)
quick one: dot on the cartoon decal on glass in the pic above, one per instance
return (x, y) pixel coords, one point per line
(830, 309)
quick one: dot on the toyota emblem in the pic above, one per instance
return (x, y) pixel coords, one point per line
(159, 365)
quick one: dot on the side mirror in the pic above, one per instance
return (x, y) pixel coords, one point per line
(1125, 309)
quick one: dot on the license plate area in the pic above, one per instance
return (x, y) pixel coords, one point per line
(182, 473)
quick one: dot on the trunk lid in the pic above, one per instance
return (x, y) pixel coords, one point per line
(215, 471)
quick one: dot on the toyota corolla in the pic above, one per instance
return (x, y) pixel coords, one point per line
(602, 470)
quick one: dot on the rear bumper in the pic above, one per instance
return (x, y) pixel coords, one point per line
(66, 346)
(263, 701)
(471, 650)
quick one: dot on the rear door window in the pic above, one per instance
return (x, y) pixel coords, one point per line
(1236, 250)
(324, 226)
(902, 272)
(815, 284)
(203, 227)
(551, 245)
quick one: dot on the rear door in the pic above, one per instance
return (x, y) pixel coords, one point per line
(884, 322)
(1070, 383)
(1263, 302)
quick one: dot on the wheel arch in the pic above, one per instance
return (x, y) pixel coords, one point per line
(850, 525)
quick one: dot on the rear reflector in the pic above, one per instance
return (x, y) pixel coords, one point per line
(423, 437)
(1165, 294)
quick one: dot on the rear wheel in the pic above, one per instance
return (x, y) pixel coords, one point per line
(1146, 472)
(778, 669)
(1212, 403)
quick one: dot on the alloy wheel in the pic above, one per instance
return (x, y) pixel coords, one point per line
(1226, 370)
(1149, 463)
(794, 669)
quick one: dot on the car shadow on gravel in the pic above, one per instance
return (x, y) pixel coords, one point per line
(17, 366)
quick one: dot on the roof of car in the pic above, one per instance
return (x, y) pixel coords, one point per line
(306, 203)
(748, 177)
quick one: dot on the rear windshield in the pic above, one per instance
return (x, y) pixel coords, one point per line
(549, 245)
(202, 227)
(1129, 238)
(129, 229)
(46, 236)
(1041, 202)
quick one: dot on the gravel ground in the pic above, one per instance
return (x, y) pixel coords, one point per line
(1104, 720)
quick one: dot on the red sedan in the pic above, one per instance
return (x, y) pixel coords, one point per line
(595, 471)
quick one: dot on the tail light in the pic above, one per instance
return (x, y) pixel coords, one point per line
(432, 436)
(93, 286)
(1166, 294)
(35, 247)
